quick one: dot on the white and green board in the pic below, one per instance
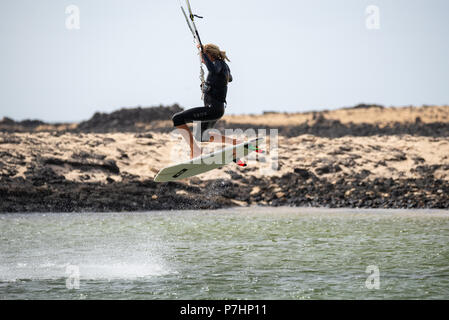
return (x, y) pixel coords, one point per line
(207, 162)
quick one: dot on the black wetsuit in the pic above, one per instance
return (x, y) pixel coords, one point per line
(215, 90)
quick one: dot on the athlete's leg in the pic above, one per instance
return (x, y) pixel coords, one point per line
(179, 120)
(195, 150)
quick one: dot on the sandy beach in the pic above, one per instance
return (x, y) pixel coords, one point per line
(59, 168)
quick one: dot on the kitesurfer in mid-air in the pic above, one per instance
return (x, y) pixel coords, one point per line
(215, 90)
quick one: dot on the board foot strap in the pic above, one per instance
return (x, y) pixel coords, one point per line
(240, 163)
(256, 149)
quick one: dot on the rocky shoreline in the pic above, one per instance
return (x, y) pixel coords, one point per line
(64, 171)
(53, 193)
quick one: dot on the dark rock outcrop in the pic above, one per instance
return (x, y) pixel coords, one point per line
(46, 191)
(126, 119)
(330, 128)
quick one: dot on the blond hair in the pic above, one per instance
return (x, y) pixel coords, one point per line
(215, 52)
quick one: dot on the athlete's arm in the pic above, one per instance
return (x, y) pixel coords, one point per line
(211, 66)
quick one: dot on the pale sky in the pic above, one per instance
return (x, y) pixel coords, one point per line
(287, 55)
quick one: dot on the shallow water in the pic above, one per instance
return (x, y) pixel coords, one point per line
(248, 253)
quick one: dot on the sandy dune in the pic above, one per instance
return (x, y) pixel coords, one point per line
(387, 156)
(41, 170)
(372, 115)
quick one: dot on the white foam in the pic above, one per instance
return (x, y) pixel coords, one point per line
(87, 271)
(121, 271)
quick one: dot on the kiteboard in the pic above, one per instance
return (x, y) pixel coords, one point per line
(207, 162)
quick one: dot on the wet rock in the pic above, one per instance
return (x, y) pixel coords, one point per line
(234, 175)
(428, 170)
(7, 172)
(123, 155)
(381, 163)
(5, 154)
(84, 177)
(145, 135)
(348, 162)
(363, 174)
(323, 170)
(280, 195)
(399, 156)
(10, 139)
(328, 169)
(146, 143)
(195, 180)
(88, 155)
(108, 165)
(107, 140)
(418, 160)
(111, 166)
(44, 175)
(341, 150)
(303, 173)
